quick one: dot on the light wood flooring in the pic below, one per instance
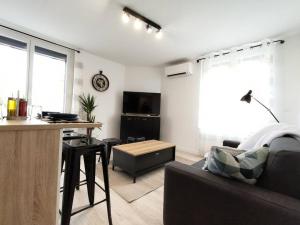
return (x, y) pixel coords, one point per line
(147, 210)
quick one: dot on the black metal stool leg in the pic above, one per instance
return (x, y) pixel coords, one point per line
(106, 185)
(109, 146)
(70, 181)
(62, 162)
(90, 167)
(78, 178)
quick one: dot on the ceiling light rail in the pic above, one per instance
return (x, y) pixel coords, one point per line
(138, 19)
(242, 49)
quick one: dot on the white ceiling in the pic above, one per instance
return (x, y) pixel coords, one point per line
(191, 27)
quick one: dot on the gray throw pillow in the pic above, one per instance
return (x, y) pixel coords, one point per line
(246, 167)
(230, 150)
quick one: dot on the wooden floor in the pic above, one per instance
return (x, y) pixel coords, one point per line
(147, 210)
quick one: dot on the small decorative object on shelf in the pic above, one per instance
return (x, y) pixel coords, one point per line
(88, 106)
(100, 82)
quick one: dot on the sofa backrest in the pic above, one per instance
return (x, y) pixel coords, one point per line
(282, 171)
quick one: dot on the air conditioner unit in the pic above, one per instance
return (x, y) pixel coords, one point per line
(183, 69)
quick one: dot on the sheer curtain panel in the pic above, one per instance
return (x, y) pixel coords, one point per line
(223, 81)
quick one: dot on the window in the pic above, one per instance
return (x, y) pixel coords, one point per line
(40, 71)
(13, 69)
(223, 81)
(48, 80)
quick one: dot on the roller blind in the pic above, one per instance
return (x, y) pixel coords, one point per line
(12, 42)
(50, 53)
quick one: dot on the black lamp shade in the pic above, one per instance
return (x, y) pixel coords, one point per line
(247, 97)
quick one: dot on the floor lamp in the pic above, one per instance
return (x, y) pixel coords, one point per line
(247, 98)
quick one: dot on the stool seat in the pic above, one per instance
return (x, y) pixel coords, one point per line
(110, 142)
(70, 135)
(73, 149)
(83, 143)
(73, 135)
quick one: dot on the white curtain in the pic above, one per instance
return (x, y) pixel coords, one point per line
(223, 81)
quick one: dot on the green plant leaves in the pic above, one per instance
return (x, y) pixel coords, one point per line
(88, 105)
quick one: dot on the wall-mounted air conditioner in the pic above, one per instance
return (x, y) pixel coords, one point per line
(183, 69)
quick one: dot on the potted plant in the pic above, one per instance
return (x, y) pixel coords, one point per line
(88, 106)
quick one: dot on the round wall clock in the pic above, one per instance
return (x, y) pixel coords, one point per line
(100, 82)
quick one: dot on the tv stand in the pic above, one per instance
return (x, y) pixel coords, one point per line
(139, 125)
(141, 115)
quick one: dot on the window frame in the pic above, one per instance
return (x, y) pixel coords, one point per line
(31, 44)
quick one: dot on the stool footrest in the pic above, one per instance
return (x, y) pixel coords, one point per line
(89, 206)
(85, 207)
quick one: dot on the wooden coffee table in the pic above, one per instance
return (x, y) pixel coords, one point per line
(141, 157)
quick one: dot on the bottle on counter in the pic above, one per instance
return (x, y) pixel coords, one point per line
(11, 107)
(22, 107)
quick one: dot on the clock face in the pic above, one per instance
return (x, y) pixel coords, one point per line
(100, 82)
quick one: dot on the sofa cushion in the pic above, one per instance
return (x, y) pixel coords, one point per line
(246, 167)
(230, 150)
(282, 172)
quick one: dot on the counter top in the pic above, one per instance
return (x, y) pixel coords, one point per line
(35, 124)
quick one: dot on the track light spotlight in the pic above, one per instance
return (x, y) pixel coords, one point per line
(149, 29)
(137, 24)
(159, 34)
(125, 17)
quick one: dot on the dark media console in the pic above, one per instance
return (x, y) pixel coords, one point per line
(140, 126)
(140, 118)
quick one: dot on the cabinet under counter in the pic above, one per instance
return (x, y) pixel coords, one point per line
(29, 170)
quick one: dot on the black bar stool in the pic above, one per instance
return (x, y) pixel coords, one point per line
(73, 150)
(70, 135)
(110, 142)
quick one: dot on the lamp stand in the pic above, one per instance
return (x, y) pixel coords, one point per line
(269, 110)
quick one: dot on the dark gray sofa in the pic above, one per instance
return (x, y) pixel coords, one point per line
(196, 197)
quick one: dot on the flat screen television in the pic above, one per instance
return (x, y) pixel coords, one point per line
(141, 103)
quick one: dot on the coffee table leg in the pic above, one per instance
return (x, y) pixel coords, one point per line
(134, 180)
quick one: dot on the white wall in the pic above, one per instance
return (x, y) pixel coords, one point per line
(288, 66)
(109, 102)
(180, 111)
(143, 79)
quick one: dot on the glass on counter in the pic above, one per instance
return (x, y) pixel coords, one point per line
(35, 111)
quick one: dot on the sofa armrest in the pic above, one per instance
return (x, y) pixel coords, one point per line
(231, 143)
(196, 197)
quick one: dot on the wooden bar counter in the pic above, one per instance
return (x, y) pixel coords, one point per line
(30, 154)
